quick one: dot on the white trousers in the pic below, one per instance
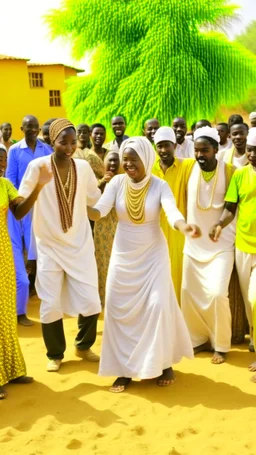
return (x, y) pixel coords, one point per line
(204, 300)
(246, 270)
(60, 293)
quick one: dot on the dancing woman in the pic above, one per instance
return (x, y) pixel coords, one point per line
(145, 333)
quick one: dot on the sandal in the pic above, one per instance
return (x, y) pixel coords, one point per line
(120, 385)
(3, 393)
(166, 379)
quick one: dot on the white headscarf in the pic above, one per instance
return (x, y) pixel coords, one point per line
(251, 138)
(144, 149)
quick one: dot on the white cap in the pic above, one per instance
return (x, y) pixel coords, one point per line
(165, 133)
(207, 131)
(251, 138)
(252, 115)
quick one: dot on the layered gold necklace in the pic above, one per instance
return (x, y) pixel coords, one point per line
(135, 202)
(212, 173)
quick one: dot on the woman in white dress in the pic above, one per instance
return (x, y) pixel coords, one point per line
(145, 333)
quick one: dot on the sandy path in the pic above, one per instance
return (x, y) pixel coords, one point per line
(209, 410)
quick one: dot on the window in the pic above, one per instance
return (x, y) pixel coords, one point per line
(36, 80)
(54, 98)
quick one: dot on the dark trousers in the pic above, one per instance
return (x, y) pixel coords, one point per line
(54, 337)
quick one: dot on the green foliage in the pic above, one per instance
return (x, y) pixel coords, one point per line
(152, 58)
(248, 38)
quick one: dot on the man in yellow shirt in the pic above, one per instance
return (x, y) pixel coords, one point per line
(168, 167)
(241, 194)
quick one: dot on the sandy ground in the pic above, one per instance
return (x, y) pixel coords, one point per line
(209, 410)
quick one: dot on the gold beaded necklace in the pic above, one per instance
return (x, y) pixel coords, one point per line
(216, 171)
(135, 202)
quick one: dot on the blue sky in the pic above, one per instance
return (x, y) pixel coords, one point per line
(24, 34)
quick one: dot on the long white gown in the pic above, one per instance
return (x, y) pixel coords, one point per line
(67, 278)
(144, 329)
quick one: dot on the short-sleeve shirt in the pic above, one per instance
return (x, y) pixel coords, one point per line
(242, 190)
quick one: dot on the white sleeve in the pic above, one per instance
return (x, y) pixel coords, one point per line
(108, 198)
(93, 192)
(169, 205)
(29, 180)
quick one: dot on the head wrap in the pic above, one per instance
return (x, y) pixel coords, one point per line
(251, 138)
(164, 133)
(58, 126)
(144, 149)
(2, 147)
(207, 131)
(252, 116)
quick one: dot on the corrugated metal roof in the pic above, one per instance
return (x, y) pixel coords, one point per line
(9, 57)
(56, 64)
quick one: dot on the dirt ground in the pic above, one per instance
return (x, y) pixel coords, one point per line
(210, 409)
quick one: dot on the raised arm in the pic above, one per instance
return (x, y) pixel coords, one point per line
(174, 216)
(106, 201)
(32, 182)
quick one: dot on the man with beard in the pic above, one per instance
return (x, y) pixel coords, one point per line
(236, 155)
(6, 130)
(150, 128)
(19, 157)
(241, 196)
(118, 125)
(207, 267)
(185, 147)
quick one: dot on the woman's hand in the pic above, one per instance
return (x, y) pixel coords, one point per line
(45, 175)
(215, 232)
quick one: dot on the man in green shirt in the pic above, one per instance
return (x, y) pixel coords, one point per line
(241, 194)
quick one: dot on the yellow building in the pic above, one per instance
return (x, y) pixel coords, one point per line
(31, 88)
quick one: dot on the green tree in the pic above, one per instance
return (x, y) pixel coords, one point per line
(152, 58)
(248, 38)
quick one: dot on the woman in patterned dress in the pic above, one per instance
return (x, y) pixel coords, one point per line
(12, 365)
(105, 228)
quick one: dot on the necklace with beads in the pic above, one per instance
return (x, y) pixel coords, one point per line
(214, 174)
(135, 202)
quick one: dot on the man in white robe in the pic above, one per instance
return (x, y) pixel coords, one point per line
(207, 267)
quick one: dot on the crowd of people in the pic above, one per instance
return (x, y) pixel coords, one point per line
(159, 230)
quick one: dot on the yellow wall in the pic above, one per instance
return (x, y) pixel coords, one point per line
(18, 99)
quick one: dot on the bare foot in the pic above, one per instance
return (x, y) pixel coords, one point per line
(3, 393)
(120, 385)
(218, 358)
(167, 378)
(252, 367)
(203, 348)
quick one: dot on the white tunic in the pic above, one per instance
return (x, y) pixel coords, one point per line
(185, 150)
(207, 266)
(67, 280)
(203, 249)
(237, 161)
(144, 328)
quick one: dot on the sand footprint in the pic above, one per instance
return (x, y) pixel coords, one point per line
(138, 429)
(186, 432)
(74, 444)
